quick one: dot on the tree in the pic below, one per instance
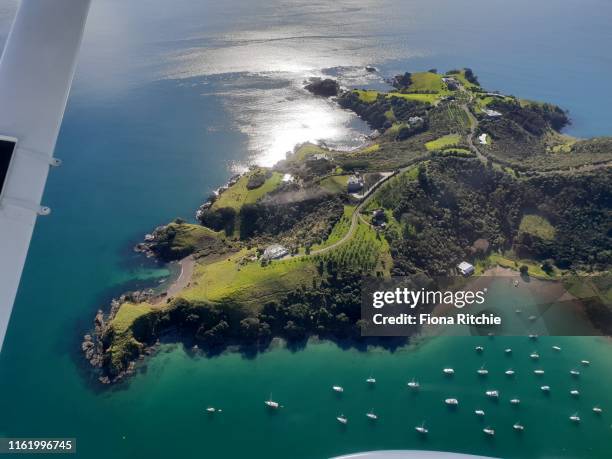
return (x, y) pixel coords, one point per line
(524, 269)
(547, 267)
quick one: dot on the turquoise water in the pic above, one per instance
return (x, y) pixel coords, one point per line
(169, 99)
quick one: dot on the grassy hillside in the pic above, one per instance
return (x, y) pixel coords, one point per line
(239, 194)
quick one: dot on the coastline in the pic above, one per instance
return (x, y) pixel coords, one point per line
(230, 243)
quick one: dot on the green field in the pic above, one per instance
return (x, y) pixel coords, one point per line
(335, 183)
(127, 314)
(247, 282)
(371, 149)
(426, 81)
(367, 96)
(460, 77)
(238, 194)
(538, 226)
(449, 140)
(508, 261)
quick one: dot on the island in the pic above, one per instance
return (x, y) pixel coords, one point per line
(452, 173)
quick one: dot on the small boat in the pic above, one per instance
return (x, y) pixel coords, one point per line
(575, 392)
(342, 419)
(479, 348)
(532, 318)
(448, 371)
(556, 348)
(482, 371)
(421, 429)
(479, 412)
(508, 351)
(518, 427)
(371, 380)
(533, 337)
(271, 403)
(339, 389)
(574, 373)
(518, 311)
(538, 372)
(534, 355)
(574, 417)
(371, 415)
(211, 409)
(492, 394)
(488, 431)
(545, 388)
(413, 384)
(509, 372)
(451, 401)
(585, 362)
(597, 410)
(516, 283)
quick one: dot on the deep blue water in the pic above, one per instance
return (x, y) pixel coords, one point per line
(169, 98)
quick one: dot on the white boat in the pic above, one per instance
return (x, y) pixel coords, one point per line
(556, 348)
(510, 372)
(371, 380)
(482, 371)
(272, 404)
(575, 392)
(532, 318)
(545, 388)
(371, 415)
(574, 373)
(533, 337)
(449, 371)
(518, 427)
(508, 351)
(538, 372)
(421, 429)
(518, 311)
(516, 283)
(597, 410)
(211, 409)
(451, 401)
(585, 362)
(574, 417)
(492, 394)
(479, 412)
(342, 419)
(413, 384)
(515, 401)
(534, 355)
(479, 348)
(488, 431)
(338, 388)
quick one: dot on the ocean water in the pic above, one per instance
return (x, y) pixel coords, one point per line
(172, 97)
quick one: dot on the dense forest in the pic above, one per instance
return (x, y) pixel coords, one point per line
(456, 201)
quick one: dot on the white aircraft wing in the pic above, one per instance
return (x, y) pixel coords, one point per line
(36, 71)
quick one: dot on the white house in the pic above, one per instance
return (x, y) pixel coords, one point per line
(274, 252)
(491, 113)
(465, 268)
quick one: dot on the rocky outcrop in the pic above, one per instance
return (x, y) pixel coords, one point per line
(323, 87)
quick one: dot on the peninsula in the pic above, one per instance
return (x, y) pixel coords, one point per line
(452, 173)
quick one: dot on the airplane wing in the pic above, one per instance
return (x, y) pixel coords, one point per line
(36, 71)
